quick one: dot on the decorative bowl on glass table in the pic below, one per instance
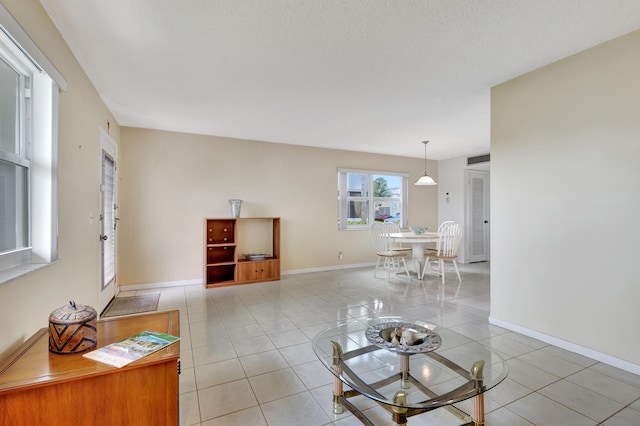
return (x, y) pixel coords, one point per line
(403, 337)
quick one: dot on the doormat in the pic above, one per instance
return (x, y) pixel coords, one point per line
(132, 305)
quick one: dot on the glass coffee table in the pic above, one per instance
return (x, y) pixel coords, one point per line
(408, 367)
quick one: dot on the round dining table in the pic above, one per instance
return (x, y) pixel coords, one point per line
(418, 242)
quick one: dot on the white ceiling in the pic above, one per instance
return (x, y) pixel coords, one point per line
(366, 75)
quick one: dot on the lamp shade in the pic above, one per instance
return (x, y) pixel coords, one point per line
(425, 180)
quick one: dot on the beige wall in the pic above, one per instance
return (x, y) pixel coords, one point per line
(565, 185)
(25, 303)
(169, 182)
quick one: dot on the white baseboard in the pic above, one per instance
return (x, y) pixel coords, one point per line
(581, 350)
(328, 268)
(166, 284)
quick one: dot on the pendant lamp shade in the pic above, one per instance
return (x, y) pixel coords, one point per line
(426, 179)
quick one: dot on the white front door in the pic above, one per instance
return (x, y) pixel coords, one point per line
(108, 219)
(477, 216)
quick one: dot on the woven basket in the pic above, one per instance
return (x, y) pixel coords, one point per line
(72, 329)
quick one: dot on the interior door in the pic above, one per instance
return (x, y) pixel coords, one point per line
(108, 219)
(477, 216)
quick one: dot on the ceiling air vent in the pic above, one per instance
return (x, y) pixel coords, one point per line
(478, 159)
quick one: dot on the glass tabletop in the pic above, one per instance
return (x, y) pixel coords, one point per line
(434, 366)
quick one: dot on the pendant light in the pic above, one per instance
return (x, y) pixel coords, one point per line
(426, 179)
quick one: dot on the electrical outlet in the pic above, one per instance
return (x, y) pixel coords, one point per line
(340, 256)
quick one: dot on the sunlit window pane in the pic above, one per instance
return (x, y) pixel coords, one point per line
(358, 212)
(9, 108)
(13, 207)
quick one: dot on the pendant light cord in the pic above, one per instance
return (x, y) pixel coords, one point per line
(425, 156)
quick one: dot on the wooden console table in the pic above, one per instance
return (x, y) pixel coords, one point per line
(38, 387)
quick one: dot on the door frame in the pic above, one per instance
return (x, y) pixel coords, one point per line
(105, 145)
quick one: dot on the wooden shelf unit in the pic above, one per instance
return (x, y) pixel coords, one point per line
(38, 387)
(226, 242)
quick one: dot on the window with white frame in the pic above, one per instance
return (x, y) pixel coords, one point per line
(28, 157)
(14, 159)
(367, 196)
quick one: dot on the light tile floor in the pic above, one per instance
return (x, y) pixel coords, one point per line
(247, 358)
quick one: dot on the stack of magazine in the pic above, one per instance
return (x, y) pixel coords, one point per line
(132, 348)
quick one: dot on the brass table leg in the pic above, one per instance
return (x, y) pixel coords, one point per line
(478, 410)
(338, 391)
(404, 370)
(477, 375)
(399, 415)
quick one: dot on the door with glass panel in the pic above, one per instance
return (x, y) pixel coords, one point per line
(108, 220)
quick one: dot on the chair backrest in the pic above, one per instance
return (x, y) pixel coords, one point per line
(444, 225)
(380, 232)
(449, 240)
(392, 227)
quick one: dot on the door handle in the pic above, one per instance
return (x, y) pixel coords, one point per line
(103, 237)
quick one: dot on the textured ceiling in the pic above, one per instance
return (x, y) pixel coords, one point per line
(366, 75)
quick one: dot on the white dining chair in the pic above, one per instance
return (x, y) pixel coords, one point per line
(392, 260)
(394, 228)
(450, 235)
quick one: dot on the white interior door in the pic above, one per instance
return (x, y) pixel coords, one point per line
(477, 216)
(108, 219)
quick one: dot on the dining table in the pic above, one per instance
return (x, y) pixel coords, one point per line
(418, 243)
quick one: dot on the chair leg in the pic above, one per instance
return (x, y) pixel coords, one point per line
(426, 263)
(406, 270)
(442, 270)
(391, 264)
(375, 271)
(455, 265)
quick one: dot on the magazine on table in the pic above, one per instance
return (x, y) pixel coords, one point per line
(132, 348)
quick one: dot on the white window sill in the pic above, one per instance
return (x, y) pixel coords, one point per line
(19, 271)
